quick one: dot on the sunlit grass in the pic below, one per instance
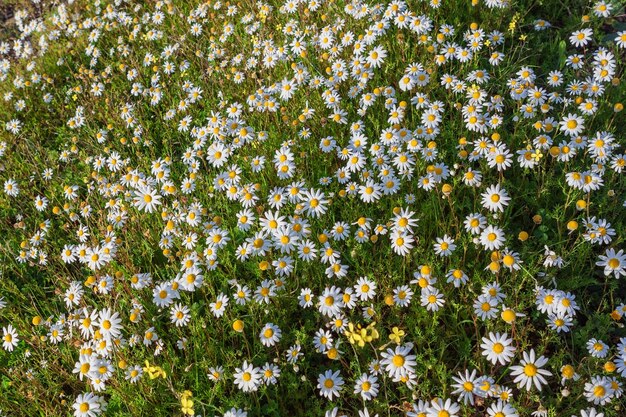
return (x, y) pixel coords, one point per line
(312, 208)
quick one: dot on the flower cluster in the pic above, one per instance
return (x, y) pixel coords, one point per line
(358, 199)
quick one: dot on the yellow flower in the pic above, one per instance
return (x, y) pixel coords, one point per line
(536, 155)
(359, 335)
(396, 335)
(154, 371)
(187, 403)
(513, 23)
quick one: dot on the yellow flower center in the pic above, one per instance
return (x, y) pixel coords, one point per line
(599, 391)
(508, 315)
(398, 360)
(530, 370)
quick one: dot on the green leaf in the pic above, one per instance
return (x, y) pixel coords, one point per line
(562, 53)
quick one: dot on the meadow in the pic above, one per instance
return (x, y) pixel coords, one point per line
(312, 208)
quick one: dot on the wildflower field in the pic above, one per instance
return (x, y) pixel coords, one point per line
(312, 208)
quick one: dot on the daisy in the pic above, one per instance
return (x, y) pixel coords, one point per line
(401, 242)
(402, 296)
(424, 280)
(572, 125)
(502, 409)
(376, 56)
(602, 9)
(329, 255)
(146, 199)
(133, 373)
(472, 178)
(497, 348)
(191, 279)
(87, 405)
(55, 335)
(495, 198)
(597, 348)
(508, 315)
(457, 277)
(248, 377)
(440, 408)
(501, 159)
(96, 258)
(581, 37)
(218, 307)
(270, 374)
(340, 231)
(565, 303)
(404, 220)
(314, 202)
(370, 192)
(561, 322)
(465, 386)
(367, 386)
(331, 301)
(110, 324)
(336, 270)
(620, 39)
(432, 299)
(307, 250)
(293, 353)
(270, 334)
(444, 246)
(329, 384)
(305, 299)
(162, 295)
(474, 223)
(613, 262)
(492, 238)
(9, 338)
(264, 292)
(323, 340)
(529, 371)
(485, 307)
(272, 221)
(399, 361)
(365, 288)
(179, 315)
(215, 373)
(285, 239)
(241, 295)
(599, 390)
(236, 412)
(590, 412)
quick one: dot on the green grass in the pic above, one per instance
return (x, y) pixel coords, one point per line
(36, 377)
